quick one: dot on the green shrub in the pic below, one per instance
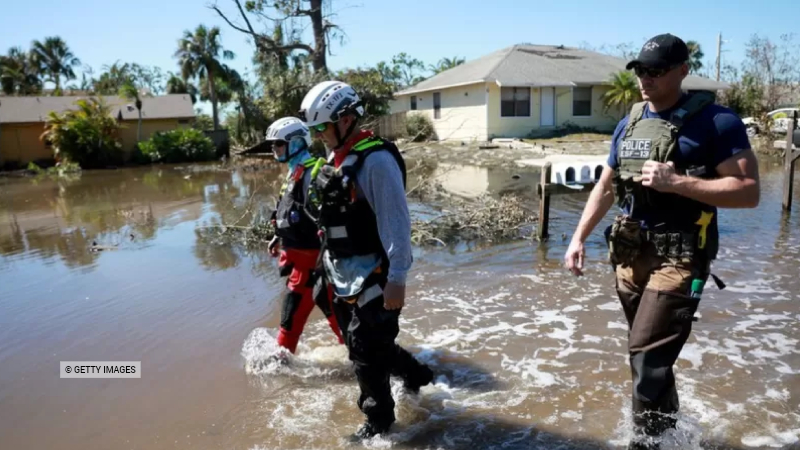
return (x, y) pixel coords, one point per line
(181, 145)
(32, 167)
(60, 169)
(87, 135)
(419, 128)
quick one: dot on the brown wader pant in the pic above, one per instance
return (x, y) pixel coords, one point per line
(654, 292)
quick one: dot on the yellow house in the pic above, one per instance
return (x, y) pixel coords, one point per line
(22, 121)
(521, 91)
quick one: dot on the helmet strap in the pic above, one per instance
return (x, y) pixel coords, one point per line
(300, 149)
(285, 156)
(340, 140)
(289, 154)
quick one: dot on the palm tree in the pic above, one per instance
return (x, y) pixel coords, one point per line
(199, 55)
(129, 92)
(113, 78)
(227, 84)
(177, 85)
(55, 59)
(624, 91)
(18, 73)
(695, 56)
(446, 64)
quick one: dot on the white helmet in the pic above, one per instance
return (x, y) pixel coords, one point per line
(328, 102)
(292, 131)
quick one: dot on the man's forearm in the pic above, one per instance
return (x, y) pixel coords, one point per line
(600, 201)
(725, 192)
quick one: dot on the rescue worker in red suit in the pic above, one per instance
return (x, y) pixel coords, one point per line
(296, 242)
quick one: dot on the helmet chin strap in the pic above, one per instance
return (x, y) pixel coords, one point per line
(289, 154)
(341, 140)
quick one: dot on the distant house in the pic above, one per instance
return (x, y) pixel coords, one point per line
(521, 91)
(22, 121)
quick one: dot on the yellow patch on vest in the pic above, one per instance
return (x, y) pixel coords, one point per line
(704, 222)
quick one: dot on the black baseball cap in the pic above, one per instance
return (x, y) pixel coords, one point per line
(660, 52)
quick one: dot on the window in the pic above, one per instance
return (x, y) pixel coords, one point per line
(413, 102)
(582, 101)
(515, 102)
(437, 105)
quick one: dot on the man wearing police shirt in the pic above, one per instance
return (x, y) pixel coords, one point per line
(675, 158)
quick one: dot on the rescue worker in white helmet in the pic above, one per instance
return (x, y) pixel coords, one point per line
(366, 254)
(296, 241)
(674, 160)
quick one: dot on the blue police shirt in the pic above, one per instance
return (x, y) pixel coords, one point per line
(714, 129)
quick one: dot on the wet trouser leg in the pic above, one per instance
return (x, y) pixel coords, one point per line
(325, 304)
(653, 292)
(370, 332)
(299, 300)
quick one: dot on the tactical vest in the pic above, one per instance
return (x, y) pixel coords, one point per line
(688, 227)
(292, 225)
(348, 222)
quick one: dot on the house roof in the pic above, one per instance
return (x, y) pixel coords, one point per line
(36, 109)
(541, 65)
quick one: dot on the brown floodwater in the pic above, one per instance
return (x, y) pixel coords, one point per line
(526, 356)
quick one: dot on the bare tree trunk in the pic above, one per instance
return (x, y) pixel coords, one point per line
(139, 129)
(319, 56)
(213, 92)
(268, 44)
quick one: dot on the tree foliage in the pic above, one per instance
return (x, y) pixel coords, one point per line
(768, 78)
(177, 85)
(291, 18)
(19, 73)
(446, 64)
(55, 60)
(87, 135)
(624, 92)
(199, 55)
(695, 56)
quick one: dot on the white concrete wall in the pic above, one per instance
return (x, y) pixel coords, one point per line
(473, 112)
(463, 112)
(521, 127)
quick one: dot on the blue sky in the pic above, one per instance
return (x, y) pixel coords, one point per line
(146, 31)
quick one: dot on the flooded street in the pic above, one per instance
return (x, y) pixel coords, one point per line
(526, 356)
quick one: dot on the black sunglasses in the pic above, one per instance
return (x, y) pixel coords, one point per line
(653, 72)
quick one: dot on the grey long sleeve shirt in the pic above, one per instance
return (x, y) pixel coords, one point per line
(381, 183)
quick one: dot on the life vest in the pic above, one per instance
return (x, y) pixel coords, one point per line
(688, 227)
(347, 222)
(292, 225)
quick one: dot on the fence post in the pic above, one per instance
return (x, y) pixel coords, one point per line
(544, 202)
(788, 164)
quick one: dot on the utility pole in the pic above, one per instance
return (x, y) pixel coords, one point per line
(719, 52)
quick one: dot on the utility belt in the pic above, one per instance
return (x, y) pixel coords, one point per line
(626, 239)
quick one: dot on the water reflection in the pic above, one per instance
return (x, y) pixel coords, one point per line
(65, 218)
(471, 181)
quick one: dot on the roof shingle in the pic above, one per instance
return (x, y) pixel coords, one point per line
(36, 109)
(541, 65)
